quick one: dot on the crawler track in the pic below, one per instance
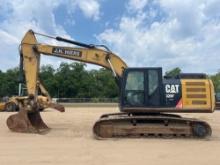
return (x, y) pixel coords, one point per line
(152, 125)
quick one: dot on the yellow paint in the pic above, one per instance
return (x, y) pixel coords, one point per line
(208, 92)
(2, 106)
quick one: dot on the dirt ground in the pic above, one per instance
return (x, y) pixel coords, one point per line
(71, 141)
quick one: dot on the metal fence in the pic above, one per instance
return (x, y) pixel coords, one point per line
(86, 100)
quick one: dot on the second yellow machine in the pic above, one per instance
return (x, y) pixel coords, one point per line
(147, 99)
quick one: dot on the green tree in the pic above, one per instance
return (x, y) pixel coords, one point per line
(69, 80)
(9, 82)
(105, 83)
(47, 77)
(173, 72)
(216, 81)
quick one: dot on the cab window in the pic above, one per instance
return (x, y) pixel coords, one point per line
(152, 81)
(134, 88)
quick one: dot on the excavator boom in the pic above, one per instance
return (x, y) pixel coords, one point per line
(31, 52)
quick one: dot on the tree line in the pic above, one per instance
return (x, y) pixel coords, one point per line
(72, 80)
(67, 81)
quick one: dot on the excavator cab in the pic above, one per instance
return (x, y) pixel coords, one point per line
(145, 90)
(141, 87)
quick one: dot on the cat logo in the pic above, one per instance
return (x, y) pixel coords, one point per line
(171, 88)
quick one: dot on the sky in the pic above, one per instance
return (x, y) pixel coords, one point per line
(144, 33)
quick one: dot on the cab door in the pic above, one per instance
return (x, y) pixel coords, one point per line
(133, 90)
(141, 87)
(153, 84)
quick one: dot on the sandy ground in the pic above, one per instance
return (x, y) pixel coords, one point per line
(71, 142)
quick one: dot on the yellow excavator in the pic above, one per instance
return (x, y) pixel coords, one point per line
(149, 102)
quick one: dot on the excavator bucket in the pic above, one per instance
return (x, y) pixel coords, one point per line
(26, 122)
(29, 122)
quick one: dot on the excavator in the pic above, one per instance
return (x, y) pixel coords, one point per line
(150, 103)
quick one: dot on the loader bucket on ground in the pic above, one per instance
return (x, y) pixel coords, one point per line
(26, 122)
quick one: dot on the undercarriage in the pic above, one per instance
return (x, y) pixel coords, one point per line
(150, 125)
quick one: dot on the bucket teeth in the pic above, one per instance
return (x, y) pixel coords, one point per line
(26, 122)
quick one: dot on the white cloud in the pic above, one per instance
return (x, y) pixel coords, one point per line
(90, 8)
(8, 55)
(20, 15)
(137, 5)
(166, 33)
(8, 38)
(186, 35)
